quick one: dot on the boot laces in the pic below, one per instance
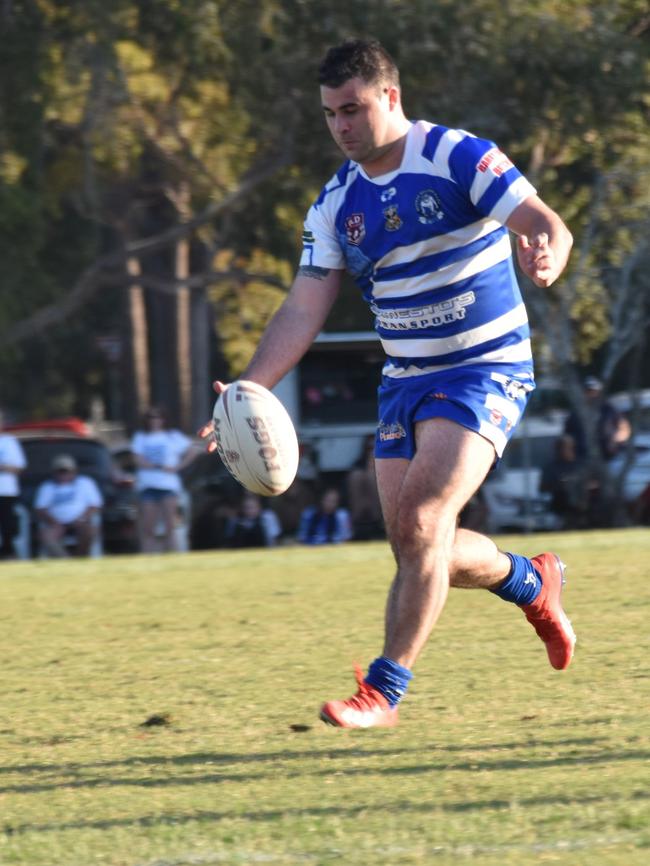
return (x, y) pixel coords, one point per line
(366, 697)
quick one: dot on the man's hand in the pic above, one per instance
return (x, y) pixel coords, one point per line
(207, 432)
(537, 259)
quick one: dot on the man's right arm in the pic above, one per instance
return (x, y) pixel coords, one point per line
(295, 325)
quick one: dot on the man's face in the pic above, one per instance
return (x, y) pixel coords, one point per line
(359, 116)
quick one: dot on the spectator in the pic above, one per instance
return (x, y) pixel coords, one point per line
(363, 496)
(253, 525)
(302, 493)
(612, 428)
(68, 508)
(565, 478)
(160, 454)
(327, 522)
(12, 462)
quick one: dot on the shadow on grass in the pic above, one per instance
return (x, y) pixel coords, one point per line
(175, 780)
(347, 811)
(201, 758)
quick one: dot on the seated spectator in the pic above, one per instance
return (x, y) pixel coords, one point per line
(566, 478)
(290, 505)
(327, 522)
(67, 507)
(253, 525)
(363, 496)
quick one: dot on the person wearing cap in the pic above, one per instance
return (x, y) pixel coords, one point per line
(67, 506)
(12, 463)
(612, 428)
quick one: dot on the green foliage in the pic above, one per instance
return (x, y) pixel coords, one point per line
(109, 110)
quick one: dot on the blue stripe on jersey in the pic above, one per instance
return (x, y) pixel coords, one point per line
(427, 264)
(465, 157)
(432, 141)
(496, 189)
(339, 180)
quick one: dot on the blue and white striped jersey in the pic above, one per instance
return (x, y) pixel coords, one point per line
(427, 247)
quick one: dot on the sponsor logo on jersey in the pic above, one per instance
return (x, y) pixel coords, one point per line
(389, 432)
(428, 206)
(429, 316)
(496, 417)
(495, 161)
(388, 194)
(393, 219)
(355, 228)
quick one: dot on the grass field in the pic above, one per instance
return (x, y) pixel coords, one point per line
(498, 759)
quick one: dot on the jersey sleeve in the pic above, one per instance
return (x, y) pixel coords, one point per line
(320, 244)
(493, 183)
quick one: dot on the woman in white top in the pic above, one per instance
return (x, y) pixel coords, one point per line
(160, 454)
(12, 463)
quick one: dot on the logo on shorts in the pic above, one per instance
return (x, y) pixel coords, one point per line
(389, 432)
(516, 390)
(355, 228)
(429, 206)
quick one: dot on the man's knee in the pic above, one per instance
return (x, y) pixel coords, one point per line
(419, 527)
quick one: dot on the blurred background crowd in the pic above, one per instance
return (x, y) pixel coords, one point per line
(65, 492)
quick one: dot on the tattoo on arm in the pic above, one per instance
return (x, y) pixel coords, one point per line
(312, 271)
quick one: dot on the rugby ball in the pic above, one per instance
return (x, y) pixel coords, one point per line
(255, 438)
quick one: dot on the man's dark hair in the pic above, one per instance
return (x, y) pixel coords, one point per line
(358, 58)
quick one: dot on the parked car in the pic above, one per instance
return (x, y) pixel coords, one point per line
(43, 442)
(512, 492)
(637, 477)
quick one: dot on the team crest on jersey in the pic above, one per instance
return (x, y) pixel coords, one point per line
(393, 219)
(355, 228)
(428, 206)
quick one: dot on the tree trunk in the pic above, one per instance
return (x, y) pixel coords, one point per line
(138, 355)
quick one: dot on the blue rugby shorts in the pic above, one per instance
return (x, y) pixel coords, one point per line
(487, 399)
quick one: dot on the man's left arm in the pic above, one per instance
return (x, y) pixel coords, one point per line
(544, 242)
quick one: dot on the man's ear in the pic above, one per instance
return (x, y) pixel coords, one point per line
(393, 97)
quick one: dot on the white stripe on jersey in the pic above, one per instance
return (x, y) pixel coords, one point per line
(516, 354)
(447, 143)
(431, 346)
(519, 189)
(446, 276)
(439, 243)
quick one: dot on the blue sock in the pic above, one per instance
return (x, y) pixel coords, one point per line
(522, 584)
(389, 678)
